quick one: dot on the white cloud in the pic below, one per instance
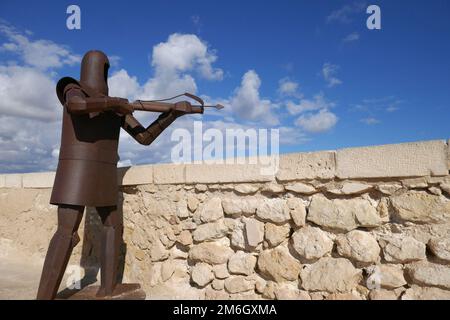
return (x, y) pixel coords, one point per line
(318, 102)
(41, 54)
(354, 36)
(322, 121)
(247, 103)
(173, 62)
(375, 107)
(288, 87)
(182, 53)
(29, 109)
(28, 145)
(27, 93)
(370, 121)
(345, 14)
(121, 84)
(329, 72)
(315, 116)
(392, 108)
(165, 86)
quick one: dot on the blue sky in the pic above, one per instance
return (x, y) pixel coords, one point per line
(346, 85)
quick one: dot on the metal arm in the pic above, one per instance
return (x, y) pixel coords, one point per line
(182, 106)
(146, 136)
(77, 102)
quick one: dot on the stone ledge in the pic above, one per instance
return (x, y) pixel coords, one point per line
(311, 165)
(131, 176)
(424, 158)
(169, 174)
(218, 173)
(427, 158)
(13, 180)
(38, 180)
(448, 154)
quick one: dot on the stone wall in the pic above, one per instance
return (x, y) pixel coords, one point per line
(359, 223)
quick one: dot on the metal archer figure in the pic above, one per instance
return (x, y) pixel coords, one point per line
(86, 173)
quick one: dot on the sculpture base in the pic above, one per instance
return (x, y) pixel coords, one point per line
(127, 291)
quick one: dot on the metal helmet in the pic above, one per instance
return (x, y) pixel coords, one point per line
(94, 72)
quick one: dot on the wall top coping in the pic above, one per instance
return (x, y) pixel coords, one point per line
(413, 159)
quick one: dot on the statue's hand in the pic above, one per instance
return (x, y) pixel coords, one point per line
(120, 105)
(181, 108)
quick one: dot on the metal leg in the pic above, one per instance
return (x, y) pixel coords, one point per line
(59, 251)
(111, 242)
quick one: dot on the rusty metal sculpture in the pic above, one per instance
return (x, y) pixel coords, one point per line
(87, 168)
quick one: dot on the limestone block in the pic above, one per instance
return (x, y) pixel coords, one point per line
(421, 207)
(169, 174)
(202, 274)
(254, 231)
(275, 210)
(314, 165)
(38, 180)
(237, 206)
(225, 173)
(359, 246)
(289, 292)
(311, 243)
(211, 253)
(242, 263)
(394, 160)
(245, 188)
(276, 234)
(218, 284)
(331, 275)
(425, 293)
(210, 231)
(182, 209)
(399, 248)
(440, 248)
(185, 238)
(277, 264)
(273, 187)
(430, 274)
(389, 189)
(236, 284)
(301, 188)
(415, 183)
(342, 214)
(298, 211)
(13, 180)
(387, 276)
(192, 203)
(238, 237)
(135, 175)
(201, 187)
(221, 271)
(211, 210)
(349, 188)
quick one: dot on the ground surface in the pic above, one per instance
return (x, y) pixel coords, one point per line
(18, 281)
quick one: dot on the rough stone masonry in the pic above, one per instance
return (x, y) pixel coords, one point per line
(359, 223)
